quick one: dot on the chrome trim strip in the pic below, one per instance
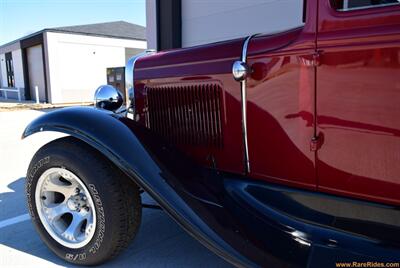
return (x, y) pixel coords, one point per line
(243, 93)
(130, 82)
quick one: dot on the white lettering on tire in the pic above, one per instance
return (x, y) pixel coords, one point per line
(29, 179)
(101, 223)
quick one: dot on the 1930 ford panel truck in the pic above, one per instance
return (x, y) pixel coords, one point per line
(278, 150)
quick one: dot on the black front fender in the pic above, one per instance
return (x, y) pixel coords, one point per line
(140, 155)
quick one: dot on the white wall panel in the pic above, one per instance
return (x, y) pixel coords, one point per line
(78, 63)
(151, 24)
(206, 21)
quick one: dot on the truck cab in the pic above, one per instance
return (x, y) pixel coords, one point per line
(301, 120)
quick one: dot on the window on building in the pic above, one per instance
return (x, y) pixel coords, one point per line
(345, 5)
(10, 70)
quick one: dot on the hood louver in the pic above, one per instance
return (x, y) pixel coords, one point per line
(188, 115)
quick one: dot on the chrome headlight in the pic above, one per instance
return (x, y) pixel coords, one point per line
(107, 97)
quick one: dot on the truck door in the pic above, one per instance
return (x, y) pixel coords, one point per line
(358, 99)
(280, 107)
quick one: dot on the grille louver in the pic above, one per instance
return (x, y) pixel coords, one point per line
(189, 115)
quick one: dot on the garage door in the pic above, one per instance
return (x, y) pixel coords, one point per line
(211, 21)
(36, 72)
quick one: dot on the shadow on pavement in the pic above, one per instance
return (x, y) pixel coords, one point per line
(13, 203)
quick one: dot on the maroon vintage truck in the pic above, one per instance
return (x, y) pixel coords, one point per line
(273, 150)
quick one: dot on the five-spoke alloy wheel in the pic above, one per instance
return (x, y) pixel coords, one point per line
(65, 207)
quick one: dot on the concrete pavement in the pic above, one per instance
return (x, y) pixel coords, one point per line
(13, 105)
(159, 243)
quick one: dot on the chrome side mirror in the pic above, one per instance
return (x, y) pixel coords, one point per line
(107, 97)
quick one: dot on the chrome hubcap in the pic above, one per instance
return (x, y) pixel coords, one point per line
(65, 207)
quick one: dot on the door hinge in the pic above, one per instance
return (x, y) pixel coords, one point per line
(312, 60)
(316, 58)
(314, 144)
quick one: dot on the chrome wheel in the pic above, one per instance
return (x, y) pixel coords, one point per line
(65, 207)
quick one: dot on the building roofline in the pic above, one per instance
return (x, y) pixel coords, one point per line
(55, 30)
(20, 39)
(91, 34)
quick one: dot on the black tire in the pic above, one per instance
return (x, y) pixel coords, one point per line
(117, 199)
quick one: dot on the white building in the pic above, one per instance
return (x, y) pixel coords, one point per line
(186, 23)
(67, 64)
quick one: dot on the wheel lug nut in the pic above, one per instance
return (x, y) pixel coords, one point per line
(78, 210)
(77, 190)
(87, 208)
(43, 198)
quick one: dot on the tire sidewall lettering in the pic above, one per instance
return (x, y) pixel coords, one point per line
(101, 219)
(30, 180)
(74, 257)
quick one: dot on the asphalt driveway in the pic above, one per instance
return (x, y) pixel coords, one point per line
(159, 243)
